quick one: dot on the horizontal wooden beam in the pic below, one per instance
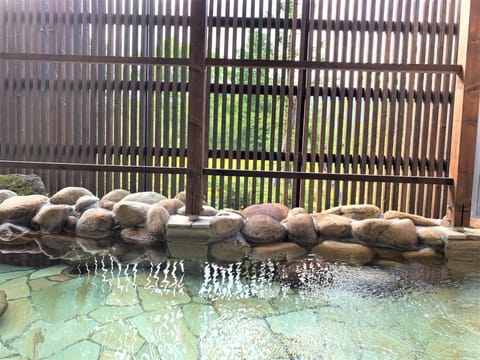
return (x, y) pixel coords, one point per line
(91, 167)
(242, 63)
(330, 176)
(94, 59)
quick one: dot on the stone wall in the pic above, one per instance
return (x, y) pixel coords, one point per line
(73, 225)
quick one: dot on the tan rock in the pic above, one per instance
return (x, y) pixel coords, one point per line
(146, 197)
(226, 222)
(425, 256)
(115, 195)
(274, 210)
(284, 251)
(333, 226)
(335, 251)
(95, 224)
(463, 250)
(69, 195)
(172, 205)
(301, 230)
(51, 218)
(17, 207)
(232, 249)
(398, 234)
(356, 212)
(157, 218)
(131, 213)
(136, 236)
(430, 236)
(85, 202)
(297, 211)
(417, 219)
(106, 204)
(263, 229)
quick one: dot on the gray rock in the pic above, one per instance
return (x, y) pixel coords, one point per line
(23, 184)
(263, 229)
(146, 197)
(157, 218)
(226, 222)
(347, 253)
(396, 234)
(301, 230)
(131, 213)
(85, 202)
(95, 224)
(21, 209)
(5, 194)
(69, 195)
(51, 218)
(274, 210)
(3, 303)
(12, 235)
(356, 212)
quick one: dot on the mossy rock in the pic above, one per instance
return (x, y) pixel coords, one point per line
(23, 184)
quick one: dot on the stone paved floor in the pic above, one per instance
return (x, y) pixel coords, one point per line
(154, 314)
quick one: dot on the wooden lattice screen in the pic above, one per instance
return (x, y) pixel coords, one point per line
(311, 103)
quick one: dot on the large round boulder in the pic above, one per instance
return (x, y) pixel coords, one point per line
(333, 226)
(301, 230)
(95, 224)
(396, 234)
(356, 212)
(274, 210)
(226, 222)
(282, 251)
(51, 218)
(86, 202)
(157, 218)
(146, 197)
(108, 200)
(69, 195)
(263, 229)
(21, 209)
(131, 213)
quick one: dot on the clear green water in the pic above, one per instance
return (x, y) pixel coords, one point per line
(409, 312)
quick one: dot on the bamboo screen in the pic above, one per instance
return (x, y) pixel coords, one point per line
(120, 94)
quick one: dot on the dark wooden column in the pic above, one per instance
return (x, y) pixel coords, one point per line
(196, 107)
(462, 156)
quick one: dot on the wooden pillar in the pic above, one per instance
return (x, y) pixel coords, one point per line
(196, 107)
(465, 121)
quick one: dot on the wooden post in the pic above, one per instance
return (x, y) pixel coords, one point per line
(462, 157)
(196, 107)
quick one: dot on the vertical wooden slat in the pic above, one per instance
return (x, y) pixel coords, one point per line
(196, 101)
(117, 112)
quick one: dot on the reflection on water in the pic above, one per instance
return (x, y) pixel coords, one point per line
(251, 310)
